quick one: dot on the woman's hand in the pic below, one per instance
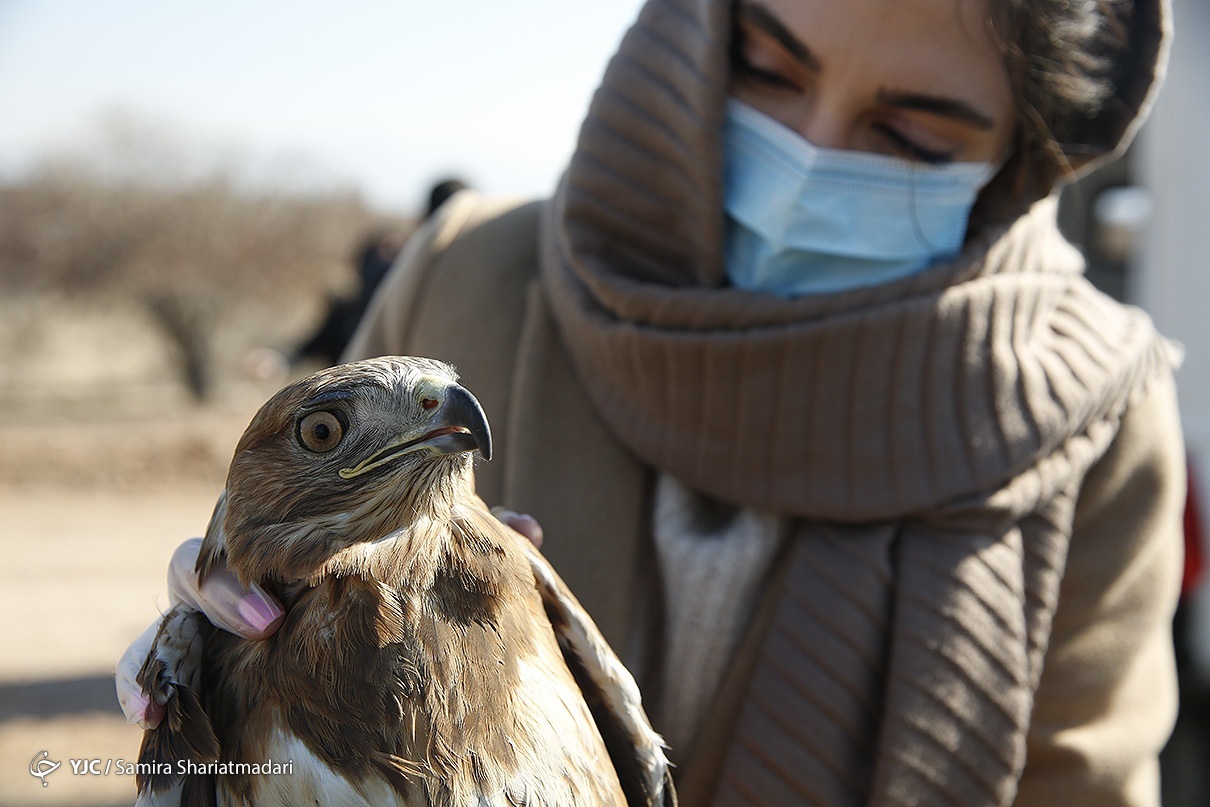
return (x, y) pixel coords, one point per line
(523, 523)
(136, 705)
(252, 613)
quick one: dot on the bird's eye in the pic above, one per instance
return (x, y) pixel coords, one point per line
(320, 432)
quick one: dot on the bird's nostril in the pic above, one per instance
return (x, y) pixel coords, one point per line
(428, 403)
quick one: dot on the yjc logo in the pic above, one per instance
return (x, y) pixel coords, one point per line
(42, 767)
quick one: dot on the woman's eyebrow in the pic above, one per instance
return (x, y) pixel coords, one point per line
(764, 19)
(945, 107)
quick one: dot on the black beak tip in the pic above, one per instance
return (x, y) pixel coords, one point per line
(482, 435)
(464, 408)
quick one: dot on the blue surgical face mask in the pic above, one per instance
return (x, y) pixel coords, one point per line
(803, 219)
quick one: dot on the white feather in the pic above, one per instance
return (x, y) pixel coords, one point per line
(311, 781)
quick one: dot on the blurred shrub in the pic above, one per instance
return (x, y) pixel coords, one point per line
(203, 256)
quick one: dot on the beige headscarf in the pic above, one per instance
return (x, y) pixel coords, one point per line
(818, 405)
(941, 423)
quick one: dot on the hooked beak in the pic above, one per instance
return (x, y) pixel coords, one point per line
(457, 425)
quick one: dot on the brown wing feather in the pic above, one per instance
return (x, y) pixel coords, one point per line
(636, 750)
(169, 675)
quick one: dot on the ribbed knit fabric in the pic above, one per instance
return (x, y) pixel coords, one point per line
(929, 435)
(807, 732)
(712, 558)
(937, 395)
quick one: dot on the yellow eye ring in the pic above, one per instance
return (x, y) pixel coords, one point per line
(320, 432)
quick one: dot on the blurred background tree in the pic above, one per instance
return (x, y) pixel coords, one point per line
(221, 255)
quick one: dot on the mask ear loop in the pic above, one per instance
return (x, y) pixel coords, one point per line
(913, 210)
(991, 174)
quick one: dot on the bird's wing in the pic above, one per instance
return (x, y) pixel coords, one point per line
(609, 689)
(170, 677)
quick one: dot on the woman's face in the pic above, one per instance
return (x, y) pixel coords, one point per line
(920, 79)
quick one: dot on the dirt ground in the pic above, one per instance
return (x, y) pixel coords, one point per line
(105, 466)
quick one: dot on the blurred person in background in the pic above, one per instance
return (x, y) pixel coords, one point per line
(876, 495)
(374, 257)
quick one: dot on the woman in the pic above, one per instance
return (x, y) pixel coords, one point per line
(879, 499)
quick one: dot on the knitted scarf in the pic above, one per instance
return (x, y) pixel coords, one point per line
(931, 433)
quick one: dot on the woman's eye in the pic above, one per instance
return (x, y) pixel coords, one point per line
(320, 432)
(744, 67)
(905, 147)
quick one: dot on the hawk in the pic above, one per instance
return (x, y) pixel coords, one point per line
(430, 655)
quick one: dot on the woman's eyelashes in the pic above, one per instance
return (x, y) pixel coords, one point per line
(905, 147)
(762, 66)
(742, 67)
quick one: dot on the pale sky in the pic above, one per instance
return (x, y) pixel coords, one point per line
(386, 96)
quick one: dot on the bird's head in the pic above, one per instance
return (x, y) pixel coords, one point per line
(347, 456)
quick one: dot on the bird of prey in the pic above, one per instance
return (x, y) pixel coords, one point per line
(430, 655)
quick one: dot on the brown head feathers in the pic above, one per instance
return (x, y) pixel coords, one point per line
(341, 458)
